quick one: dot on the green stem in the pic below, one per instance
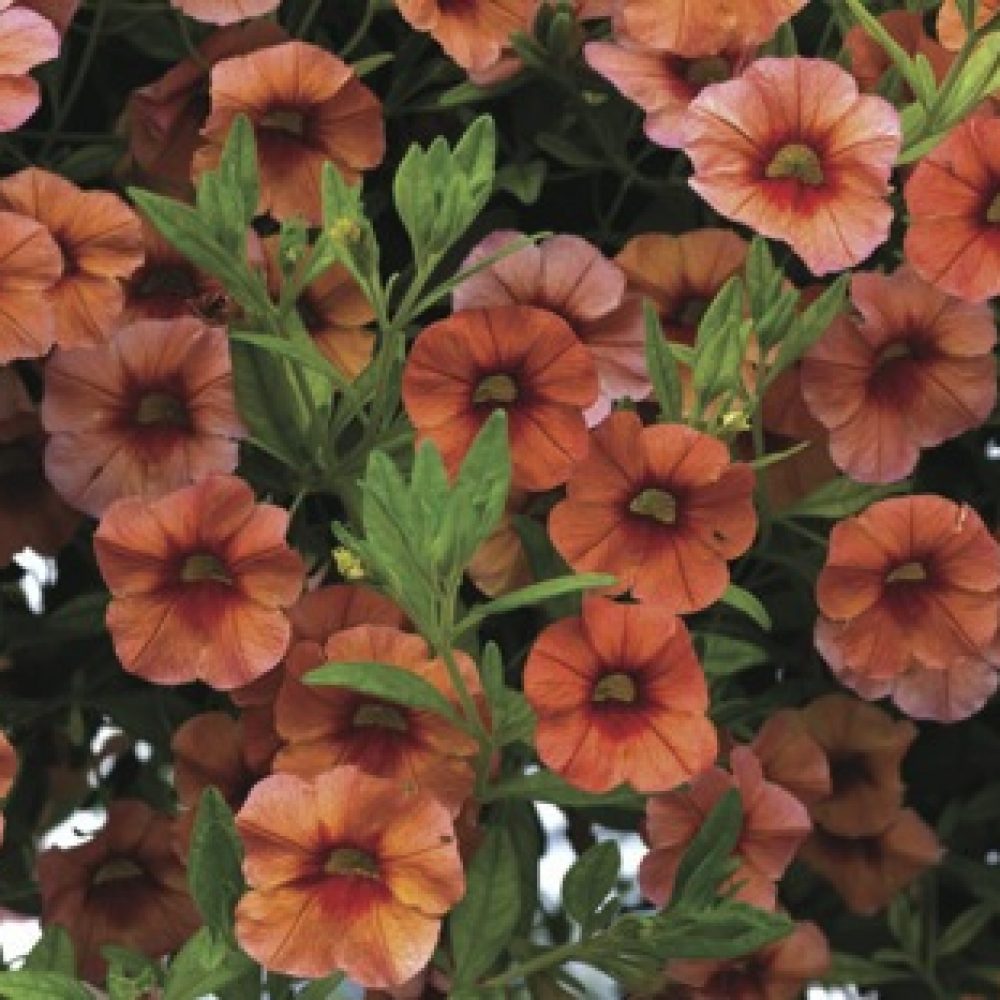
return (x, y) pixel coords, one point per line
(545, 960)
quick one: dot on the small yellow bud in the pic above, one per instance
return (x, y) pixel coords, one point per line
(349, 566)
(344, 230)
(736, 420)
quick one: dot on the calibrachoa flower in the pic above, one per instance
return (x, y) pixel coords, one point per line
(101, 242)
(475, 32)
(346, 873)
(951, 28)
(148, 412)
(32, 515)
(662, 84)
(307, 107)
(500, 564)
(59, 12)
(914, 368)
(523, 360)
(908, 604)
(868, 871)
(661, 508)
(126, 887)
(779, 971)
(953, 199)
(791, 757)
(570, 277)
(327, 726)
(865, 748)
(707, 28)
(198, 581)
(225, 11)
(26, 40)
(30, 266)
(620, 698)
(792, 150)
(774, 825)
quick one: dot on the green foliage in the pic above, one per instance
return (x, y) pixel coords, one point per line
(588, 883)
(206, 964)
(214, 863)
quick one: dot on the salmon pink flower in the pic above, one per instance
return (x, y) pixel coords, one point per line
(32, 515)
(707, 28)
(198, 580)
(951, 27)
(224, 11)
(779, 971)
(909, 606)
(148, 412)
(125, 887)
(869, 61)
(867, 872)
(792, 150)
(661, 83)
(774, 825)
(915, 368)
(500, 564)
(307, 107)
(26, 39)
(569, 277)
(346, 873)
(620, 698)
(953, 198)
(30, 266)
(661, 508)
(164, 119)
(328, 726)
(101, 242)
(59, 12)
(474, 33)
(792, 758)
(523, 360)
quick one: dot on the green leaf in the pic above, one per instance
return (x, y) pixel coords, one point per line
(662, 366)
(322, 989)
(131, 976)
(382, 680)
(546, 564)
(706, 862)
(205, 965)
(544, 786)
(53, 952)
(730, 930)
(852, 969)
(742, 600)
(480, 925)
(842, 497)
(965, 928)
(514, 719)
(214, 862)
(721, 344)
(590, 881)
(41, 986)
(523, 180)
(813, 323)
(723, 657)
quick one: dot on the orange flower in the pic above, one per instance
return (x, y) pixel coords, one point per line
(792, 150)
(792, 758)
(474, 33)
(620, 698)
(148, 412)
(225, 11)
(914, 369)
(198, 579)
(326, 726)
(525, 360)
(570, 278)
(865, 748)
(661, 508)
(30, 265)
(164, 119)
(774, 825)
(307, 107)
(346, 873)
(124, 887)
(31, 513)
(661, 83)
(335, 313)
(26, 39)
(101, 242)
(868, 871)
(869, 60)
(778, 972)
(705, 28)
(500, 564)
(953, 198)
(950, 26)
(908, 604)
(8, 770)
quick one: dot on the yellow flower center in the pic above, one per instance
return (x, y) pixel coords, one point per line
(204, 566)
(895, 350)
(285, 120)
(798, 162)
(117, 870)
(911, 572)
(380, 716)
(495, 389)
(160, 409)
(702, 72)
(351, 861)
(657, 504)
(993, 212)
(615, 687)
